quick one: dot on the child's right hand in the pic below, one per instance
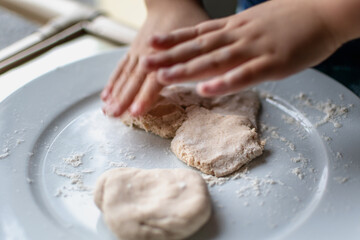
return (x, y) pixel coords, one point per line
(267, 42)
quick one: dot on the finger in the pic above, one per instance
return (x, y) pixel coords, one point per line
(210, 64)
(125, 76)
(126, 95)
(185, 34)
(114, 76)
(188, 50)
(251, 72)
(147, 96)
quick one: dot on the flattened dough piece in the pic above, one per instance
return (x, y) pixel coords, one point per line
(153, 204)
(163, 119)
(244, 103)
(168, 113)
(185, 96)
(214, 143)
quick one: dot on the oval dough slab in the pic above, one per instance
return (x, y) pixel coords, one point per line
(214, 143)
(161, 204)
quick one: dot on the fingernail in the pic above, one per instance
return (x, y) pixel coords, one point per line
(202, 89)
(158, 38)
(207, 90)
(135, 109)
(145, 62)
(104, 94)
(168, 74)
(109, 100)
(104, 110)
(113, 110)
(161, 74)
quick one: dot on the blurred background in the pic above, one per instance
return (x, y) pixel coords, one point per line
(14, 26)
(31, 28)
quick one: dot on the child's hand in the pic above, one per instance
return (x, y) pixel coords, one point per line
(130, 87)
(267, 42)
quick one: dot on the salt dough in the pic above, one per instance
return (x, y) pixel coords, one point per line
(167, 115)
(199, 125)
(153, 204)
(214, 143)
(245, 104)
(163, 119)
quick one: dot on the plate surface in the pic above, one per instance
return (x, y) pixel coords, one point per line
(55, 142)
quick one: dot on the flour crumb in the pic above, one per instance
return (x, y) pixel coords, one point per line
(339, 155)
(300, 159)
(19, 141)
(257, 186)
(266, 128)
(298, 173)
(326, 138)
(291, 146)
(117, 165)
(341, 180)
(311, 170)
(296, 160)
(332, 112)
(4, 155)
(75, 178)
(212, 180)
(87, 170)
(74, 160)
(29, 180)
(275, 135)
(287, 119)
(58, 192)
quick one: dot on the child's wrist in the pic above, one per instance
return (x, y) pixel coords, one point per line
(341, 17)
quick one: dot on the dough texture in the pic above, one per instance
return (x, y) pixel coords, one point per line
(216, 135)
(245, 104)
(163, 119)
(168, 113)
(214, 143)
(153, 204)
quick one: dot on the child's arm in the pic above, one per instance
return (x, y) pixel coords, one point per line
(267, 42)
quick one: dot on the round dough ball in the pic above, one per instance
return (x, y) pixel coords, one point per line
(153, 204)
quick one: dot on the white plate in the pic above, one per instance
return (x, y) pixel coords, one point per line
(58, 115)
